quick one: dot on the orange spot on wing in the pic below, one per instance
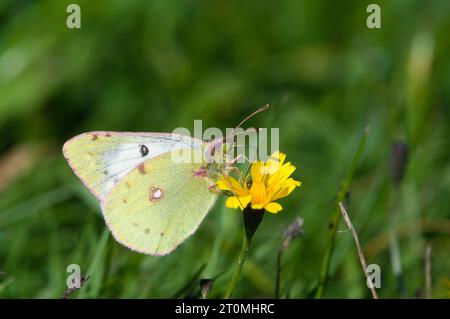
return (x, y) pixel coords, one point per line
(201, 172)
(141, 169)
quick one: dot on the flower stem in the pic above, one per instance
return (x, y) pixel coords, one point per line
(251, 220)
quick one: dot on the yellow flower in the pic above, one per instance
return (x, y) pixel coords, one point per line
(241, 196)
(270, 181)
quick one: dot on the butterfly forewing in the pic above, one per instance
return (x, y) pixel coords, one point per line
(101, 159)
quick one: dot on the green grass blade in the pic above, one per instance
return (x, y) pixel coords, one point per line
(96, 269)
(335, 218)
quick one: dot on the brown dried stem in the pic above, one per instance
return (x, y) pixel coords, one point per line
(358, 247)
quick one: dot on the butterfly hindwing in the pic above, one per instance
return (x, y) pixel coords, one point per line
(100, 159)
(158, 204)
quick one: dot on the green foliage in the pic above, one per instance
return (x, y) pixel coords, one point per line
(158, 65)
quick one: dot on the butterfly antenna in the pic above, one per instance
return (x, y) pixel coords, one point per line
(261, 109)
(213, 143)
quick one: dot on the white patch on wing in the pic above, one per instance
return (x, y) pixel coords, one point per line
(126, 156)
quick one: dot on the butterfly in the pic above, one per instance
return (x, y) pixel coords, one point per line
(150, 202)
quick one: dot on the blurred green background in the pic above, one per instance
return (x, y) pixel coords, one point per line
(158, 65)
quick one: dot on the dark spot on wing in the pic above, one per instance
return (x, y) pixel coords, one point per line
(105, 172)
(124, 201)
(135, 224)
(141, 169)
(162, 234)
(144, 150)
(147, 230)
(127, 185)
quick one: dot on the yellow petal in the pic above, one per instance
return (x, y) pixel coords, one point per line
(258, 191)
(244, 200)
(238, 202)
(280, 157)
(285, 189)
(257, 206)
(257, 172)
(291, 184)
(277, 180)
(270, 168)
(231, 184)
(274, 163)
(233, 202)
(273, 207)
(223, 185)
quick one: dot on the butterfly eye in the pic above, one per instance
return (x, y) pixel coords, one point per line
(144, 150)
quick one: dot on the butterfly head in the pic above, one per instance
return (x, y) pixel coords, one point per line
(220, 154)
